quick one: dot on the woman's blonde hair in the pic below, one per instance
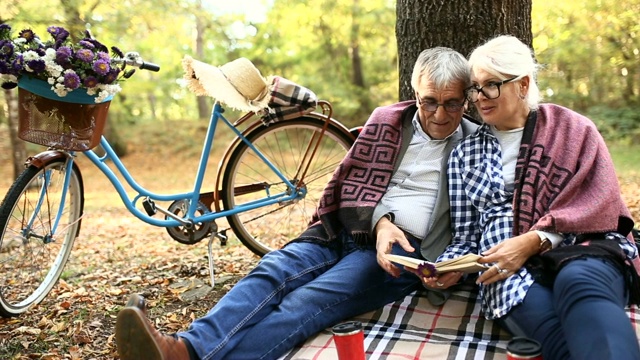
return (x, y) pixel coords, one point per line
(505, 56)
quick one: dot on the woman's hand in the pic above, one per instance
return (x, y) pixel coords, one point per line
(443, 281)
(508, 257)
(387, 234)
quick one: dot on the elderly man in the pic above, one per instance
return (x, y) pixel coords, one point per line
(390, 189)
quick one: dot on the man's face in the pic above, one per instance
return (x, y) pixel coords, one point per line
(440, 122)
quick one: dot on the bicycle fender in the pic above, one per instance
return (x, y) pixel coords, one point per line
(43, 158)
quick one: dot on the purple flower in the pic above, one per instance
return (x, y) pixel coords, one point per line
(6, 48)
(37, 65)
(101, 55)
(58, 33)
(5, 67)
(427, 270)
(90, 81)
(18, 63)
(111, 76)
(63, 54)
(86, 44)
(85, 55)
(5, 27)
(27, 34)
(71, 80)
(101, 67)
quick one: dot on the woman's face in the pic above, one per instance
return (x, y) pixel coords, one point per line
(509, 109)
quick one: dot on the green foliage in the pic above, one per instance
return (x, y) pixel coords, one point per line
(589, 50)
(616, 124)
(344, 50)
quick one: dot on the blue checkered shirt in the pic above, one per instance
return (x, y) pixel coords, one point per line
(482, 216)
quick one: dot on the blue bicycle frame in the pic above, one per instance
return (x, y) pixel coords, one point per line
(194, 195)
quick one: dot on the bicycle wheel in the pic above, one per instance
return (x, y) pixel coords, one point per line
(284, 144)
(31, 256)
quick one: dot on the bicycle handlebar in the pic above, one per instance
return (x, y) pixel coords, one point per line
(134, 59)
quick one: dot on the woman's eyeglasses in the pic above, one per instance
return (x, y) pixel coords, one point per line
(490, 90)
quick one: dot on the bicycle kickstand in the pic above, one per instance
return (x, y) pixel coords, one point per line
(223, 239)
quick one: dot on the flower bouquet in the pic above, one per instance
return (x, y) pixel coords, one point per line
(65, 87)
(63, 64)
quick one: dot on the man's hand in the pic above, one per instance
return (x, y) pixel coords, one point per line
(508, 257)
(439, 282)
(387, 234)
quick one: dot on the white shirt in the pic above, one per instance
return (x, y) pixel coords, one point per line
(411, 194)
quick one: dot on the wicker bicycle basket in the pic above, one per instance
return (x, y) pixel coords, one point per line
(53, 121)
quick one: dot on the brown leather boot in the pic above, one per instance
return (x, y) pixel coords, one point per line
(137, 339)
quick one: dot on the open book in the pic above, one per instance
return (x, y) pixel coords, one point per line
(466, 263)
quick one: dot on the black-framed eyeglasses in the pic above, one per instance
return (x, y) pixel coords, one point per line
(490, 90)
(432, 106)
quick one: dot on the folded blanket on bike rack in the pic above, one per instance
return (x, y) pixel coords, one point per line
(288, 101)
(240, 85)
(412, 328)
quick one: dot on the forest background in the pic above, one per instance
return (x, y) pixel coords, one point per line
(589, 50)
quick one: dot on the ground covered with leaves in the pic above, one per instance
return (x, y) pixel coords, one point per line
(117, 255)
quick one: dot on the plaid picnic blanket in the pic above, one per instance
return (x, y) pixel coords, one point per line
(412, 328)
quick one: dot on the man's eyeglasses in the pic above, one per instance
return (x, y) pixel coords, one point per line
(490, 90)
(432, 106)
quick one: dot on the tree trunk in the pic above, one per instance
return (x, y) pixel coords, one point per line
(19, 150)
(458, 24)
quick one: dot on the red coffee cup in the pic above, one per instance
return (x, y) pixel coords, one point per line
(349, 340)
(522, 348)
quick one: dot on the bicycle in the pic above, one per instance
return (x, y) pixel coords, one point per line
(271, 173)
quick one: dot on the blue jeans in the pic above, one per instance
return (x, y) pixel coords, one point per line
(582, 317)
(292, 294)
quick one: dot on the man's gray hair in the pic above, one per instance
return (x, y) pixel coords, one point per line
(443, 66)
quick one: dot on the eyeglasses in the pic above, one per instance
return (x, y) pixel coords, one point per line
(490, 90)
(432, 106)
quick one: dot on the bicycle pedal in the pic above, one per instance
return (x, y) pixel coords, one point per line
(222, 235)
(149, 206)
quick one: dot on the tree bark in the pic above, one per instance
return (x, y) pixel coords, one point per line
(459, 24)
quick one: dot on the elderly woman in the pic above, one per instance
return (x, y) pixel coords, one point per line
(535, 192)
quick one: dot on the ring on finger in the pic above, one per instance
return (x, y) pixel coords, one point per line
(439, 284)
(498, 268)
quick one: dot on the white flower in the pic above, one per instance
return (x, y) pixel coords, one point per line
(60, 90)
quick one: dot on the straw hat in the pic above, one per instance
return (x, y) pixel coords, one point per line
(238, 83)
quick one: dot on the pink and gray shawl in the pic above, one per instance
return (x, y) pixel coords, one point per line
(565, 178)
(362, 178)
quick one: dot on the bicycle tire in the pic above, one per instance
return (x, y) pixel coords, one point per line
(31, 261)
(267, 228)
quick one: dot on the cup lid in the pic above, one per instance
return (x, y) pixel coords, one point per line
(524, 346)
(347, 327)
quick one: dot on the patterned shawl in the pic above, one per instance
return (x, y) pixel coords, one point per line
(565, 179)
(566, 183)
(362, 178)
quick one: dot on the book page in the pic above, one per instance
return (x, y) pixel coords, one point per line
(466, 263)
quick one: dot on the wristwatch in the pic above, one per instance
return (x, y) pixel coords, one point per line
(545, 243)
